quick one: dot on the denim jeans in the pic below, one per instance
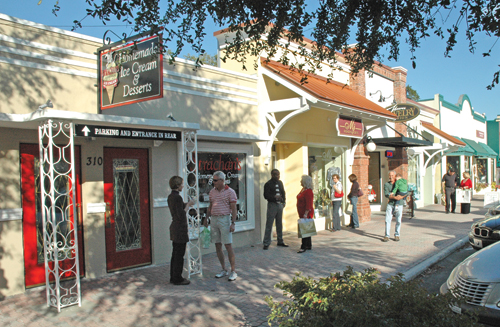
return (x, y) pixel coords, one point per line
(354, 215)
(388, 218)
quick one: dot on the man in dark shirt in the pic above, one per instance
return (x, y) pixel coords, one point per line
(274, 193)
(449, 184)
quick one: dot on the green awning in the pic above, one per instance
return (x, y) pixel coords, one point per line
(491, 153)
(479, 151)
(463, 151)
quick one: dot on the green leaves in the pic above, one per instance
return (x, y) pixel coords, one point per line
(354, 299)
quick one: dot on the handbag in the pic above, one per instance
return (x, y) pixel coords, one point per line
(205, 237)
(306, 227)
(338, 195)
(348, 209)
(360, 192)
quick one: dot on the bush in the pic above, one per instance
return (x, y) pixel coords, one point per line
(361, 299)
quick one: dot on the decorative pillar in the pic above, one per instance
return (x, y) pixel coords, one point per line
(360, 169)
(399, 162)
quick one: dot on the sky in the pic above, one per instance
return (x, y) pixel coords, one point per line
(463, 73)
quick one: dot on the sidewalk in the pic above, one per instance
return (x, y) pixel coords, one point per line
(143, 297)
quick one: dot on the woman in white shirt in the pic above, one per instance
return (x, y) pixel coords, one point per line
(337, 194)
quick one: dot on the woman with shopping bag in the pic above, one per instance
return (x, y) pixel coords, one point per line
(305, 208)
(466, 184)
(337, 195)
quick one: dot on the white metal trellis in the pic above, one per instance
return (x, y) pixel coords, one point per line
(190, 172)
(59, 213)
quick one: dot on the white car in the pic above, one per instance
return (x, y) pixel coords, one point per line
(477, 278)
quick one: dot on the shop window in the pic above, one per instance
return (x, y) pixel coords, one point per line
(234, 165)
(453, 162)
(414, 175)
(374, 178)
(482, 172)
(323, 163)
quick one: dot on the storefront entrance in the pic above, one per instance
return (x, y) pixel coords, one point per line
(127, 219)
(34, 262)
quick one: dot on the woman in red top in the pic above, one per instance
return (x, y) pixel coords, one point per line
(305, 207)
(466, 183)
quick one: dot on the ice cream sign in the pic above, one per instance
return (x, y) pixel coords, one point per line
(130, 72)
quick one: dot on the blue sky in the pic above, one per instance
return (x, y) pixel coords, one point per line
(463, 73)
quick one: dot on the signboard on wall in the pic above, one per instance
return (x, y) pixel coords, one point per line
(350, 127)
(406, 112)
(479, 134)
(126, 133)
(130, 72)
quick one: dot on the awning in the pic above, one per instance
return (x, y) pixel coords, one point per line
(328, 91)
(442, 135)
(400, 142)
(479, 151)
(491, 153)
(464, 151)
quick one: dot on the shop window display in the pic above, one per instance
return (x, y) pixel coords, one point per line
(453, 162)
(414, 175)
(231, 164)
(323, 163)
(482, 173)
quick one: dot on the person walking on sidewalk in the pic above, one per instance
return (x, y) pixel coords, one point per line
(395, 206)
(178, 230)
(449, 184)
(222, 211)
(274, 193)
(337, 195)
(353, 197)
(305, 208)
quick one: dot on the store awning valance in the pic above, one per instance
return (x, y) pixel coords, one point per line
(479, 151)
(491, 153)
(467, 150)
(400, 142)
(442, 135)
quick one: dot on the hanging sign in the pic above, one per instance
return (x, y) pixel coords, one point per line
(349, 127)
(127, 133)
(130, 73)
(406, 112)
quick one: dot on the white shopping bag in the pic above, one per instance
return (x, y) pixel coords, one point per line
(463, 196)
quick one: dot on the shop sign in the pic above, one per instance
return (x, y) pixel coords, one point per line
(130, 73)
(479, 134)
(127, 133)
(406, 112)
(350, 127)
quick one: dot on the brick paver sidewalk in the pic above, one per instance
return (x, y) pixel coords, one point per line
(143, 297)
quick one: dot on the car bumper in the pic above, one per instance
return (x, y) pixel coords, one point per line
(480, 242)
(486, 315)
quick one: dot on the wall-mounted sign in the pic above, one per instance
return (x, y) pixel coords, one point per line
(389, 153)
(349, 127)
(479, 134)
(127, 133)
(405, 112)
(130, 73)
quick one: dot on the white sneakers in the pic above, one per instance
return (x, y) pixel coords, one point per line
(224, 273)
(232, 276)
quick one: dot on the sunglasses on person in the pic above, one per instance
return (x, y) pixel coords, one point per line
(216, 180)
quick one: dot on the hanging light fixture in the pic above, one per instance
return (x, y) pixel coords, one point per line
(370, 145)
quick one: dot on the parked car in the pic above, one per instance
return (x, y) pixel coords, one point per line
(487, 231)
(477, 278)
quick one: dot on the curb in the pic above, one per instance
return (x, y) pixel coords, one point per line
(421, 267)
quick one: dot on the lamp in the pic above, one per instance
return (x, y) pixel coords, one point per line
(48, 104)
(171, 117)
(370, 145)
(381, 99)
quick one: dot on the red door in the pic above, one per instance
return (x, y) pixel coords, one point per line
(34, 264)
(126, 192)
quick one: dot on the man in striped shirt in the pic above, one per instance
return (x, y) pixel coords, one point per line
(222, 212)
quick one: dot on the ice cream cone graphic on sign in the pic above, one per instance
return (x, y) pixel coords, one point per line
(110, 79)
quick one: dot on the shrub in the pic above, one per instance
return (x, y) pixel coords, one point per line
(361, 299)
